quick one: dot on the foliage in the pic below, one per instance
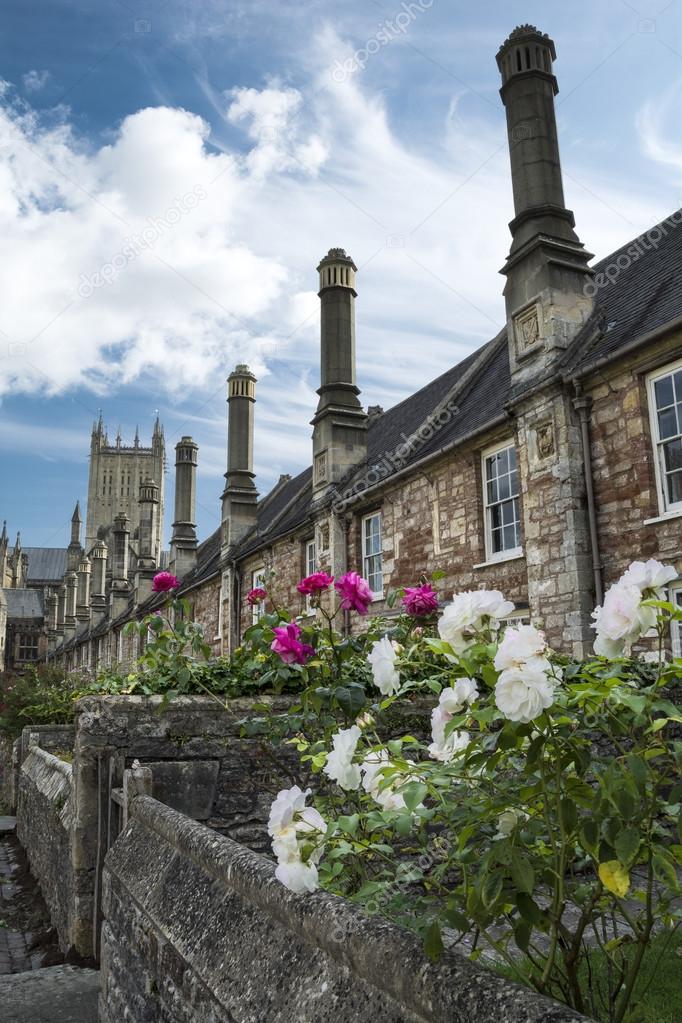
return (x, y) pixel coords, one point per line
(37, 695)
(541, 825)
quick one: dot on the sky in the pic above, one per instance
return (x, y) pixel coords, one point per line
(171, 173)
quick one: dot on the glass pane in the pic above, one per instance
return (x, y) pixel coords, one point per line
(496, 516)
(514, 485)
(675, 487)
(673, 455)
(677, 377)
(496, 539)
(663, 390)
(508, 513)
(491, 491)
(503, 488)
(512, 458)
(667, 423)
(509, 538)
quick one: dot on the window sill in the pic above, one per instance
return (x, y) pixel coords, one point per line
(515, 556)
(663, 518)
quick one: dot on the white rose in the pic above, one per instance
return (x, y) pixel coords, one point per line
(297, 876)
(340, 766)
(444, 749)
(621, 620)
(288, 802)
(375, 783)
(465, 615)
(649, 575)
(523, 693)
(507, 821)
(518, 646)
(455, 699)
(382, 658)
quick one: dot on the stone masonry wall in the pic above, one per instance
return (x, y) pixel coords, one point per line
(204, 604)
(197, 930)
(623, 466)
(45, 814)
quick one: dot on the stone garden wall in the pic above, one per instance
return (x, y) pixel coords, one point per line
(45, 814)
(197, 929)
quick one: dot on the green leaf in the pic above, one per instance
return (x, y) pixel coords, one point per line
(349, 824)
(528, 908)
(569, 815)
(413, 794)
(665, 871)
(457, 920)
(627, 845)
(522, 873)
(589, 836)
(433, 941)
(492, 888)
(522, 933)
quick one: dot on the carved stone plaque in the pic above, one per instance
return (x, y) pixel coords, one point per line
(544, 439)
(526, 330)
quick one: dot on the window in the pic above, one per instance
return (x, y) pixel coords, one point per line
(665, 406)
(371, 553)
(258, 582)
(28, 647)
(501, 501)
(310, 567)
(675, 598)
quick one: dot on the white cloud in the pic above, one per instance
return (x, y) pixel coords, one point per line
(658, 126)
(34, 80)
(233, 278)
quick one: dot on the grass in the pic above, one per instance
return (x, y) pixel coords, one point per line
(658, 992)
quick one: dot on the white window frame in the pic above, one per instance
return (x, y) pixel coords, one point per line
(512, 552)
(675, 598)
(366, 558)
(665, 371)
(310, 567)
(257, 582)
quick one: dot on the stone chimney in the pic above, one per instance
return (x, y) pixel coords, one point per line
(546, 270)
(120, 587)
(83, 598)
(71, 583)
(340, 423)
(61, 609)
(183, 548)
(240, 497)
(74, 550)
(98, 588)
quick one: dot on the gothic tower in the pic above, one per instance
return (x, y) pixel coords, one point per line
(117, 472)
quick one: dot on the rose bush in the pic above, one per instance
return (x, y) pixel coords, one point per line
(541, 821)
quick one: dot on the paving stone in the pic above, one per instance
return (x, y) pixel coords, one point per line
(56, 994)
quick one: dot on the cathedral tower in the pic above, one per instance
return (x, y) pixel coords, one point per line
(117, 471)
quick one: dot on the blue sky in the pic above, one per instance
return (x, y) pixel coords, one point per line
(170, 174)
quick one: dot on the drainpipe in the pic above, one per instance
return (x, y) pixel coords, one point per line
(582, 403)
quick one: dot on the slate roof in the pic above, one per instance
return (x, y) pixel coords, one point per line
(24, 603)
(46, 564)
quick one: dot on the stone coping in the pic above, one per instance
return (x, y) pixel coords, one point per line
(389, 958)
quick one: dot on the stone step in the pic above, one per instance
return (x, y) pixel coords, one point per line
(55, 994)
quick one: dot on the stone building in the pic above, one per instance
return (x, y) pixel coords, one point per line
(540, 465)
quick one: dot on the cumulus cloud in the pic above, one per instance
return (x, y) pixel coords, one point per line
(657, 124)
(159, 256)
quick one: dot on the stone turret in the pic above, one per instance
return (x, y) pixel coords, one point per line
(546, 269)
(240, 497)
(74, 551)
(184, 541)
(340, 422)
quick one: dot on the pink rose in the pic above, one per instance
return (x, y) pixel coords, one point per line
(256, 595)
(163, 582)
(420, 601)
(354, 592)
(288, 645)
(315, 583)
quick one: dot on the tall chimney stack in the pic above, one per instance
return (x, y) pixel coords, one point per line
(240, 497)
(183, 556)
(120, 587)
(98, 587)
(340, 422)
(547, 273)
(146, 546)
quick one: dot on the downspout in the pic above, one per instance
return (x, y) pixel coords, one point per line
(582, 403)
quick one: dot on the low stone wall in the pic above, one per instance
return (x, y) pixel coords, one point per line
(45, 814)
(52, 738)
(9, 773)
(198, 930)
